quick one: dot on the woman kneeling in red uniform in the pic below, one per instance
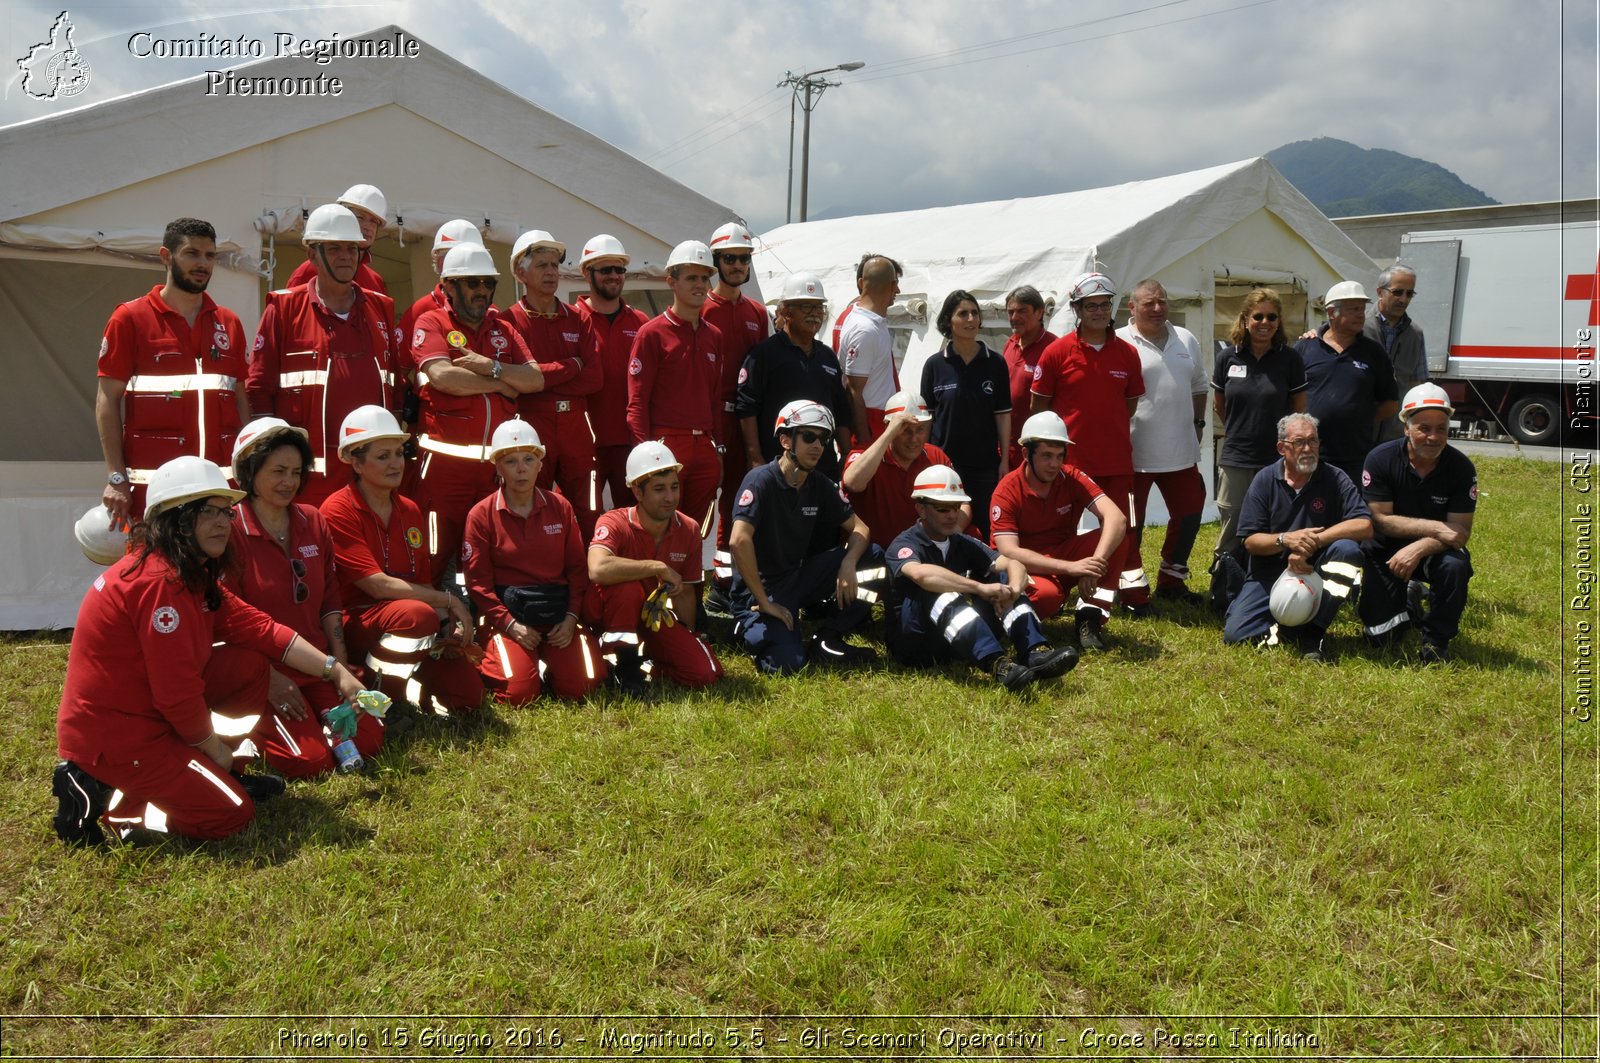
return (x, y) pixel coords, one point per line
(392, 611)
(523, 556)
(134, 714)
(287, 571)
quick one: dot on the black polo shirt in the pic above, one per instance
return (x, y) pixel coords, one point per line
(1256, 394)
(1452, 486)
(784, 519)
(1271, 505)
(961, 554)
(1344, 391)
(963, 398)
(776, 373)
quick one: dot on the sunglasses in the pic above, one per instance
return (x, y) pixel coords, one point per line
(1263, 317)
(737, 260)
(808, 436)
(944, 507)
(1404, 293)
(611, 271)
(301, 591)
(472, 284)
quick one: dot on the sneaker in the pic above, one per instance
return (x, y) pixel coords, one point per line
(261, 788)
(1180, 594)
(1048, 663)
(1089, 639)
(717, 604)
(80, 802)
(1010, 674)
(1435, 653)
(833, 651)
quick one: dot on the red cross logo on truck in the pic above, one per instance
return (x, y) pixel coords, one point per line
(1586, 286)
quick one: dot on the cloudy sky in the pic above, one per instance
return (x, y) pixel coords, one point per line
(961, 102)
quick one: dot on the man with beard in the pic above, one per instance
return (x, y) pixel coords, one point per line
(1422, 493)
(1400, 337)
(170, 370)
(473, 365)
(614, 325)
(743, 323)
(1302, 515)
(325, 348)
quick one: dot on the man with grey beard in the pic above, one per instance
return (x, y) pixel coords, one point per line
(1302, 516)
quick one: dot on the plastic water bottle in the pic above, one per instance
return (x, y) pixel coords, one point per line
(346, 757)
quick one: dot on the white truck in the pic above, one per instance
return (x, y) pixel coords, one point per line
(1512, 318)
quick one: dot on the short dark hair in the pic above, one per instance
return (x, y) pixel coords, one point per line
(1027, 295)
(251, 461)
(181, 229)
(948, 311)
(861, 266)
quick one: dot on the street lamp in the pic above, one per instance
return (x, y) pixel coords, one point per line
(814, 86)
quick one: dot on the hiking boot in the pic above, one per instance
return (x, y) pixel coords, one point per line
(1180, 594)
(1089, 638)
(261, 788)
(80, 802)
(1435, 653)
(1140, 611)
(1048, 663)
(627, 675)
(1010, 674)
(832, 651)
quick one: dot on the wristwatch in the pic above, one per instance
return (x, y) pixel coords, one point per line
(1279, 540)
(494, 373)
(117, 479)
(328, 665)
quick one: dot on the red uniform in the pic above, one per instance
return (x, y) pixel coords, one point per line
(182, 383)
(886, 504)
(311, 367)
(365, 546)
(608, 409)
(502, 549)
(406, 370)
(1048, 526)
(135, 701)
(566, 352)
(1020, 361)
(678, 653)
(365, 276)
(743, 324)
(297, 585)
(1090, 389)
(675, 395)
(456, 429)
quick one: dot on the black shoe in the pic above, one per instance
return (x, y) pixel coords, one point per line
(1048, 663)
(1010, 674)
(1180, 594)
(628, 674)
(1310, 645)
(1435, 653)
(1140, 611)
(261, 788)
(80, 802)
(833, 651)
(717, 604)
(1089, 639)
(1417, 594)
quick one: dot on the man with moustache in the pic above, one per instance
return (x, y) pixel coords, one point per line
(614, 325)
(1399, 336)
(169, 373)
(1303, 515)
(743, 323)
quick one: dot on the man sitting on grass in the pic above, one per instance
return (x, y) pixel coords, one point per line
(949, 600)
(1304, 515)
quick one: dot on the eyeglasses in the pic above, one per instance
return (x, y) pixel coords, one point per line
(1097, 308)
(210, 512)
(1263, 317)
(1301, 444)
(808, 436)
(301, 591)
(1404, 293)
(611, 271)
(737, 260)
(472, 284)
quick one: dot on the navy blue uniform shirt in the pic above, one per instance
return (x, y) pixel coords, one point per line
(1271, 505)
(784, 518)
(1452, 486)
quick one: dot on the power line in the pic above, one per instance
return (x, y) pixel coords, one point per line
(711, 126)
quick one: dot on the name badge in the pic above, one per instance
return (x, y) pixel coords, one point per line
(1238, 372)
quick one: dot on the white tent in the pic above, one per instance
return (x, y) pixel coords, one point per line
(1209, 236)
(85, 195)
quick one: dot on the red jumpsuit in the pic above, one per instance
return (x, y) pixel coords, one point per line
(365, 546)
(608, 408)
(405, 371)
(568, 357)
(1090, 389)
(135, 703)
(743, 324)
(678, 654)
(365, 276)
(1020, 362)
(502, 549)
(182, 383)
(1048, 526)
(297, 585)
(675, 395)
(455, 430)
(312, 367)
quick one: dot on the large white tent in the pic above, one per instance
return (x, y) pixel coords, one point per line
(85, 195)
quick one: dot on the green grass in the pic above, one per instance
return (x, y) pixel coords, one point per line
(1175, 829)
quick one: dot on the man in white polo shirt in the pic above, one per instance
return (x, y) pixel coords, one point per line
(866, 347)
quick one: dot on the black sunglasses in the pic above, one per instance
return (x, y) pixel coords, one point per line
(809, 436)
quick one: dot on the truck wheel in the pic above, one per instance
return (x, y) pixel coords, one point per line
(1535, 420)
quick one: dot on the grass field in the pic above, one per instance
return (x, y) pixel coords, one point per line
(1179, 849)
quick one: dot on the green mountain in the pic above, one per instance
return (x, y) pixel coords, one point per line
(1343, 179)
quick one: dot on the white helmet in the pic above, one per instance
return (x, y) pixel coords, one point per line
(803, 413)
(690, 253)
(367, 197)
(364, 425)
(803, 286)
(1425, 397)
(649, 458)
(907, 402)
(253, 433)
(1345, 290)
(467, 260)
(1091, 284)
(184, 480)
(603, 246)
(1044, 427)
(536, 240)
(456, 231)
(101, 543)
(939, 483)
(1295, 598)
(732, 237)
(514, 435)
(331, 223)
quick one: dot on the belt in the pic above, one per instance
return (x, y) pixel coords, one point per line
(683, 432)
(727, 407)
(563, 405)
(471, 452)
